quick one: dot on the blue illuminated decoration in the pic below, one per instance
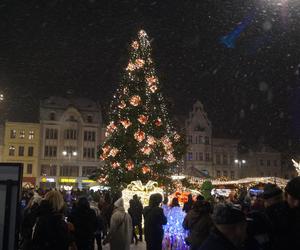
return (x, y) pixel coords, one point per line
(174, 234)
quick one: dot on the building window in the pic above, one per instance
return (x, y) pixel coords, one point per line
(231, 159)
(51, 133)
(47, 170)
(21, 150)
(196, 140)
(50, 151)
(87, 171)
(52, 116)
(30, 151)
(261, 162)
(190, 139)
(31, 135)
(275, 163)
(22, 134)
(225, 160)
(206, 140)
(200, 156)
(225, 173)
(70, 134)
(200, 139)
(89, 119)
(232, 175)
(13, 133)
(88, 153)
(268, 163)
(11, 151)
(218, 173)
(207, 156)
(69, 171)
(190, 156)
(29, 169)
(89, 136)
(218, 159)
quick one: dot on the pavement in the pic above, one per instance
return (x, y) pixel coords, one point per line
(139, 246)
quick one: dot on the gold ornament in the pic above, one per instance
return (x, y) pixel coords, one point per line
(143, 119)
(135, 100)
(113, 152)
(146, 150)
(142, 33)
(135, 45)
(130, 67)
(115, 165)
(129, 165)
(151, 140)
(139, 63)
(126, 123)
(153, 88)
(145, 169)
(170, 158)
(158, 122)
(106, 149)
(139, 135)
(151, 80)
(176, 137)
(122, 105)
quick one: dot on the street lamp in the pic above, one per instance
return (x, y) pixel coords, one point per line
(1, 97)
(69, 154)
(240, 164)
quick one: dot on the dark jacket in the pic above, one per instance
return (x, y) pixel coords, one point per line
(154, 221)
(51, 231)
(85, 223)
(216, 241)
(278, 215)
(199, 226)
(188, 206)
(294, 218)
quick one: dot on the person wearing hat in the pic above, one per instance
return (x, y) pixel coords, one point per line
(230, 229)
(277, 213)
(120, 231)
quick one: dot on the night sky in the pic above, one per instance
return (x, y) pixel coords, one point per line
(250, 91)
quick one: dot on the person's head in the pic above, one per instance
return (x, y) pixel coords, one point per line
(231, 222)
(83, 203)
(119, 203)
(135, 197)
(272, 194)
(200, 197)
(155, 200)
(55, 200)
(292, 193)
(175, 202)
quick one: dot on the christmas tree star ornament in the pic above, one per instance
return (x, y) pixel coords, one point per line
(113, 152)
(139, 136)
(122, 105)
(139, 63)
(151, 80)
(126, 123)
(145, 169)
(115, 165)
(158, 122)
(151, 140)
(146, 150)
(153, 88)
(143, 119)
(131, 67)
(129, 165)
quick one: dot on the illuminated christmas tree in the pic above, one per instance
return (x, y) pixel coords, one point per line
(141, 143)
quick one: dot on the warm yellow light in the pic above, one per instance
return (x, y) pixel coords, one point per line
(65, 180)
(88, 181)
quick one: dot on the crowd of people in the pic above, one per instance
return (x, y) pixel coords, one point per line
(85, 220)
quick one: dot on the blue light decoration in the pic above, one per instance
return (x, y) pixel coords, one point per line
(229, 40)
(174, 233)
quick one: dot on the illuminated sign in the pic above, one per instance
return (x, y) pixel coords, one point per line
(65, 180)
(88, 181)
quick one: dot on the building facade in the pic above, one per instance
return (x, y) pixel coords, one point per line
(70, 134)
(21, 145)
(264, 162)
(208, 156)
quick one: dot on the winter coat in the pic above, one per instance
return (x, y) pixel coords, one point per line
(50, 231)
(85, 223)
(154, 221)
(199, 226)
(217, 241)
(120, 232)
(188, 206)
(294, 218)
(278, 215)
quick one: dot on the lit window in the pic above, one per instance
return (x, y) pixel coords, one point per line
(31, 135)
(11, 151)
(190, 156)
(13, 133)
(22, 134)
